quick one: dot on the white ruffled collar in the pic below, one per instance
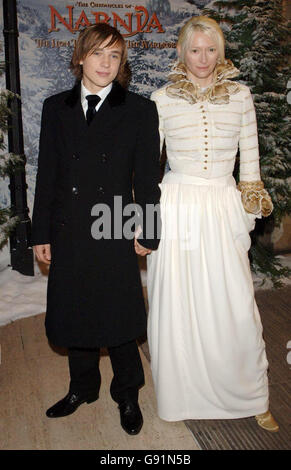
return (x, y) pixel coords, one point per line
(217, 93)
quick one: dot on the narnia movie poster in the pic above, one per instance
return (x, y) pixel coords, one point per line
(47, 33)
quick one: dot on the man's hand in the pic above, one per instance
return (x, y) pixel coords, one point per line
(43, 253)
(140, 250)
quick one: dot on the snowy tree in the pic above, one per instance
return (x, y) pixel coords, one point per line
(44, 72)
(257, 42)
(162, 7)
(199, 3)
(151, 62)
(150, 65)
(8, 163)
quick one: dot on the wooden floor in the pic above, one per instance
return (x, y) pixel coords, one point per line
(244, 434)
(33, 377)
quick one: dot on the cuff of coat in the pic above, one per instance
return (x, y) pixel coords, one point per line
(150, 244)
(255, 198)
(39, 239)
(149, 228)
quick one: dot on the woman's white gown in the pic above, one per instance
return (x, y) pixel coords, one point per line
(205, 335)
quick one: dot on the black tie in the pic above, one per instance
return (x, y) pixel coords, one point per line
(93, 100)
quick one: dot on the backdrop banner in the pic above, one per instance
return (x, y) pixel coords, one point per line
(47, 33)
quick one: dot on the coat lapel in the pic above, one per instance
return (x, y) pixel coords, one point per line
(105, 119)
(73, 116)
(110, 112)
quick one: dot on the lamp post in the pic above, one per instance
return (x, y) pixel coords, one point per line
(21, 252)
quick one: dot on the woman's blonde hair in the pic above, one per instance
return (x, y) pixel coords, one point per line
(205, 25)
(90, 39)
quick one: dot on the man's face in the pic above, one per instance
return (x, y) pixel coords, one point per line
(101, 67)
(200, 58)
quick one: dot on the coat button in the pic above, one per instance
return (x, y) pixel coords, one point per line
(75, 190)
(100, 190)
(76, 157)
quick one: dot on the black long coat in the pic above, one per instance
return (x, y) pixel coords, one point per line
(94, 290)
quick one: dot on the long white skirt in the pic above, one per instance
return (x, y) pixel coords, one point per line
(208, 356)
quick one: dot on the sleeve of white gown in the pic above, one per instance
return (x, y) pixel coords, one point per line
(255, 198)
(248, 141)
(161, 123)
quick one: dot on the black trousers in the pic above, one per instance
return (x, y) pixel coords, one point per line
(127, 369)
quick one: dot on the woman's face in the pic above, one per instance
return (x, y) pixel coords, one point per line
(200, 58)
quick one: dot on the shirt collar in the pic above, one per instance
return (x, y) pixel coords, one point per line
(102, 93)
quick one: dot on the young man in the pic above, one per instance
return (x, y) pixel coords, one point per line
(98, 141)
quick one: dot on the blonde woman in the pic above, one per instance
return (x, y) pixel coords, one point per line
(205, 334)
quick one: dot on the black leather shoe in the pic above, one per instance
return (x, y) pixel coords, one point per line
(130, 417)
(69, 404)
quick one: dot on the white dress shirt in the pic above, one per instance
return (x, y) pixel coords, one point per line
(102, 93)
